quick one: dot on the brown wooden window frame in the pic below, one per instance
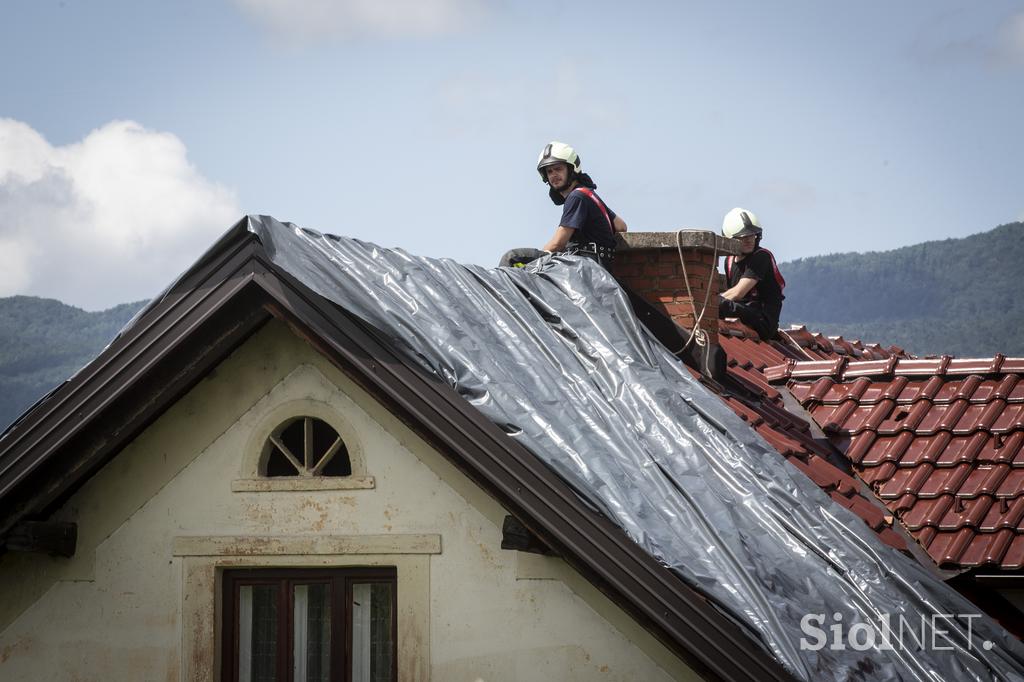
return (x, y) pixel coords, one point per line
(341, 580)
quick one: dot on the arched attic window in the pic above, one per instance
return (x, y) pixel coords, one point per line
(304, 446)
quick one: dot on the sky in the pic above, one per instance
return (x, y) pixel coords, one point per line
(134, 132)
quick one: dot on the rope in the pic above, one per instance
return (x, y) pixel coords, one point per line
(696, 334)
(797, 346)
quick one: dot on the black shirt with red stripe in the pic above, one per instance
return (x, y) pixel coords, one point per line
(767, 293)
(582, 212)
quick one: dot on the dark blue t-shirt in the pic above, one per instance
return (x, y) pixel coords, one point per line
(582, 214)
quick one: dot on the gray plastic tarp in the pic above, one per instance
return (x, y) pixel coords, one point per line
(554, 354)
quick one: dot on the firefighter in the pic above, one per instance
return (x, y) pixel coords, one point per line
(754, 283)
(587, 223)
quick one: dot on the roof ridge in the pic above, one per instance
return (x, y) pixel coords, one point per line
(843, 369)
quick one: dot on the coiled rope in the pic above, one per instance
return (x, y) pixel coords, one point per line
(697, 334)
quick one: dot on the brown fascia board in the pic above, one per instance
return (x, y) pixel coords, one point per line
(229, 294)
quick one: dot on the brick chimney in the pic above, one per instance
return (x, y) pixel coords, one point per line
(648, 264)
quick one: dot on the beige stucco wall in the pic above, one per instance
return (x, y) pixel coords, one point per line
(121, 608)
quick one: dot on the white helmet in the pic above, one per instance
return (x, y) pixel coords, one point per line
(557, 152)
(740, 222)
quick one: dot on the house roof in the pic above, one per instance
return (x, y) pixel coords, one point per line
(230, 293)
(238, 286)
(941, 441)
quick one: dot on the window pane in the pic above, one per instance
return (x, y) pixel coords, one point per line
(257, 633)
(312, 633)
(372, 620)
(294, 438)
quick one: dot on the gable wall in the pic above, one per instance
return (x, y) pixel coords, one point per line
(135, 601)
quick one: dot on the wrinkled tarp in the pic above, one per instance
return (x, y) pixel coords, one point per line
(553, 353)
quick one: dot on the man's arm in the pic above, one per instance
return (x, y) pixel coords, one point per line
(742, 288)
(560, 239)
(619, 224)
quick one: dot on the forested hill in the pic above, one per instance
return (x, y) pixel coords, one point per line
(43, 342)
(957, 296)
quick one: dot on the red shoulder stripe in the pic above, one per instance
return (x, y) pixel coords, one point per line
(593, 197)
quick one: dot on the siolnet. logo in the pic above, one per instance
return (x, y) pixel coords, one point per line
(935, 632)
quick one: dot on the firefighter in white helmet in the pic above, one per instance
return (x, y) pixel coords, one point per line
(587, 224)
(754, 283)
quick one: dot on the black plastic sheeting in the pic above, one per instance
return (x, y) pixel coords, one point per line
(553, 354)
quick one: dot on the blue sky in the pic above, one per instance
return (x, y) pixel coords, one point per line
(132, 133)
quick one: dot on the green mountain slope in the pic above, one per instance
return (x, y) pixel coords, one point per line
(956, 296)
(43, 342)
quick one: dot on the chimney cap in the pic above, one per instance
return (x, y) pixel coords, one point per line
(700, 240)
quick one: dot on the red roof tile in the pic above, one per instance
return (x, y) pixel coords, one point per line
(928, 512)
(874, 476)
(1013, 485)
(1014, 557)
(922, 449)
(964, 513)
(1012, 419)
(950, 450)
(985, 548)
(947, 547)
(1001, 448)
(914, 390)
(1003, 514)
(940, 440)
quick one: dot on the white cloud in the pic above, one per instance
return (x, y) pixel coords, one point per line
(112, 218)
(1010, 39)
(14, 260)
(312, 19)
(945, 42)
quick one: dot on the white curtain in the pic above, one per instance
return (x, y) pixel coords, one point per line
(301, 634)
(361, 596)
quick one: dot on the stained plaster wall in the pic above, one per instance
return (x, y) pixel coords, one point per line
(115, 610)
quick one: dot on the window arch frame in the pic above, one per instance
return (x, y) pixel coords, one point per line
(257, 452)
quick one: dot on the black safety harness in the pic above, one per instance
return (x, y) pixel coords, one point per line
(604, 255)
(775, 270)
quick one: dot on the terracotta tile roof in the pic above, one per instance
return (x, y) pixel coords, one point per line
(940, 440)
(763, 407)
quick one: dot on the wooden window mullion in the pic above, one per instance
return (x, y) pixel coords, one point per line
(229, 643)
